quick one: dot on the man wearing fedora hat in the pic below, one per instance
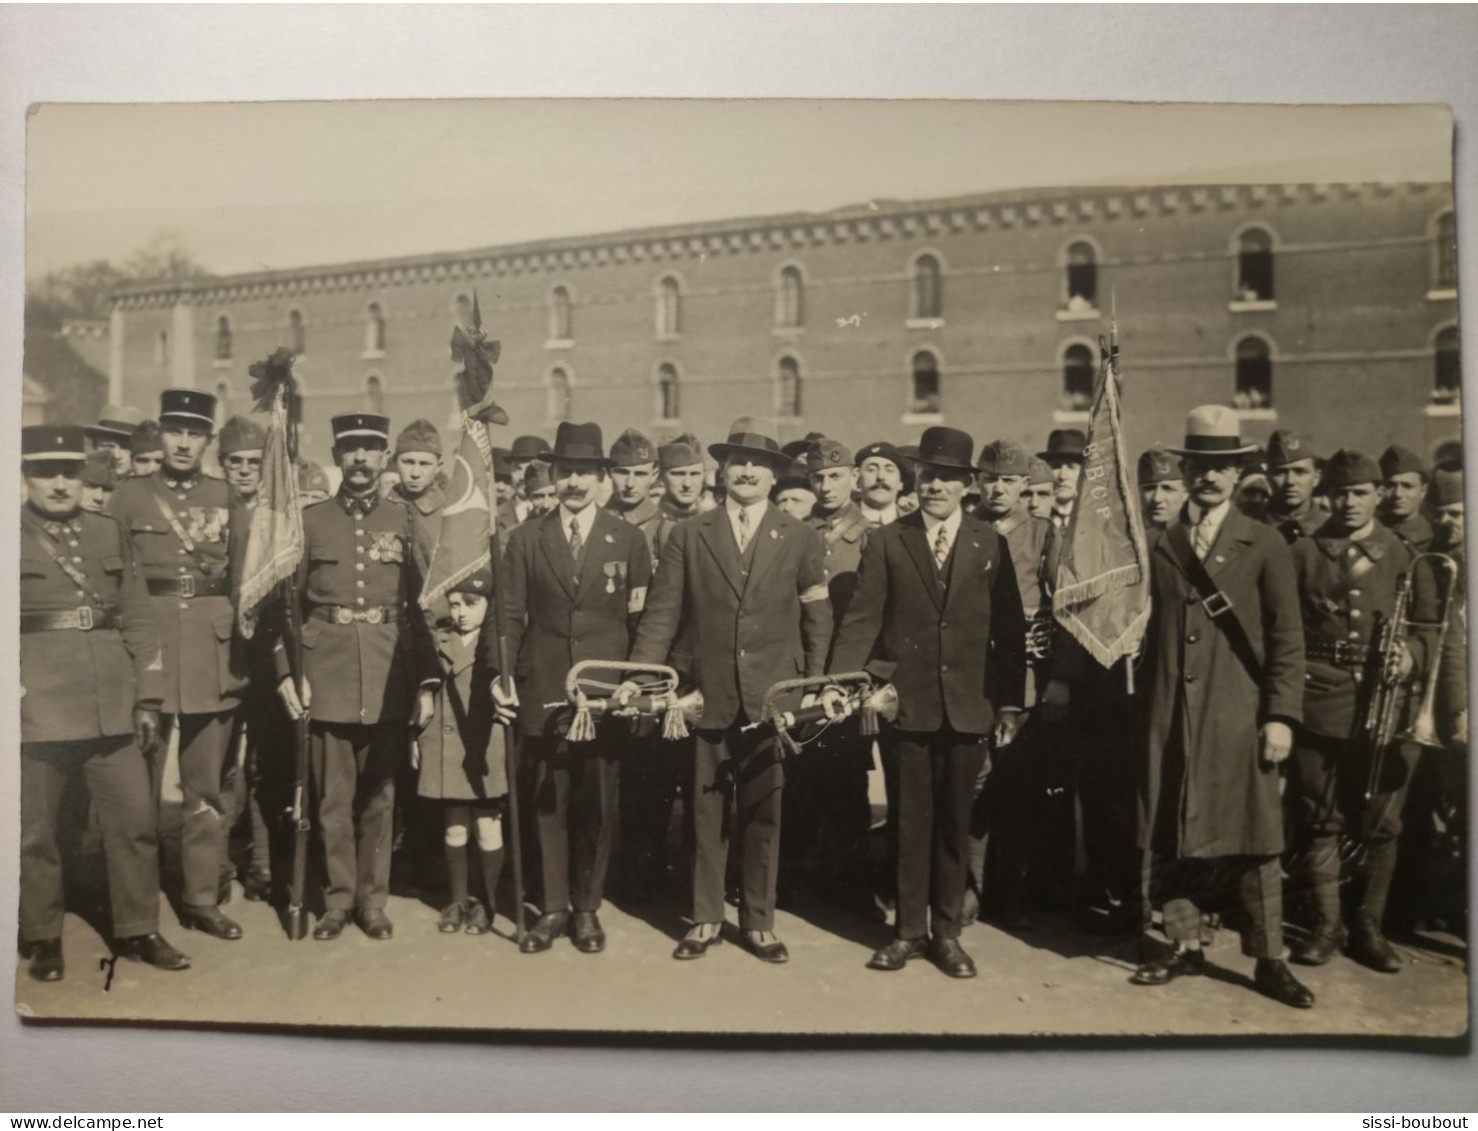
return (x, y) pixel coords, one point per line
(523, 453)
(1224, 657)
(369, 667)
(1064, 455)
(179, 526)
(576, 580)
(1293, 476)
(938, 613)
(742, 590)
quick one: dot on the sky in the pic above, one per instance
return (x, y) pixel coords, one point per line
(259, 186)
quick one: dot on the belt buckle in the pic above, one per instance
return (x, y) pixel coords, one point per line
(187, 585)
(84, 618)
(1217, 604)
(343, 615)
(375, 615)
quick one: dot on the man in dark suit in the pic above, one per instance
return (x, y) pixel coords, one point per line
(745, 586)
(1224, 653)
(937, 611)
(576, 581)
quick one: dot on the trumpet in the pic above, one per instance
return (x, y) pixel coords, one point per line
(679, 713)
(1040, 629)
(870, 700)
(1423, 728)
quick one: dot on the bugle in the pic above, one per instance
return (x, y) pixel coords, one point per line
(863, 696)
(591, 698)
(1423, 728)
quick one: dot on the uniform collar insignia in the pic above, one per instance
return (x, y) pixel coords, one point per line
(358, 504)
(177, 482)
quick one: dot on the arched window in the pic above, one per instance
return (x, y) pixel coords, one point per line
(790, 309)
(788, 388)
(1444, 257)
(1254, 374)
(297, 333)
(1078, 375)
(1447, 377)
(928, 287)
(558, 406)
(463, 309)
(374, 328)
(561, 323)
(669, 308)
(1255, 266)
(668, 402)
(926, 399)
(374, 394)
(223, 338)
(1082, 275)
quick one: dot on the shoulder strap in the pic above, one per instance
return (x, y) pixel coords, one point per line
(78, 578)
(170, 517)
(1217, 604)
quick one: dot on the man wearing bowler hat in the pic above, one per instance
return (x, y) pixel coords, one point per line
(1064, 455)
(1404, 485)
(938, 613)
(114, 429)
(369, 667)
(749, 585)
(1224, 657)
(1161, 489)
(576, 581)
(523, 453)
(179, 526)
(91, 677)
(1293, 476)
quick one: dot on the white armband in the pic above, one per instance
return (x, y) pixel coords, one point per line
(815, 593)
(636, 600)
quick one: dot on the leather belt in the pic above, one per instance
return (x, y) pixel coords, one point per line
(84, 619)
(343, 614)
(187, 586)
(1339, 652)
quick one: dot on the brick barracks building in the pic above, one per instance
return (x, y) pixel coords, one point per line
(1328, 308)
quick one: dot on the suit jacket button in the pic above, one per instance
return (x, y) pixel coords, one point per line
(1190, 677)
(448, 729)
(944, 624)
(944, 667)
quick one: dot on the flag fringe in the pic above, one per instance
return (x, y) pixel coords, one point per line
(1109, 654)
(1123, 577)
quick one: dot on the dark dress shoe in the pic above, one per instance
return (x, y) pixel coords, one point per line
(211, 921)
(897, 954)
(46, 960)
(1165, 970)
(256, 887)
(452, 919)
(1273, 978)
(951, 958)
(693, 946)
(376, 924)
(589, 937)
(332, 925)
(548, 927)
(773, 951)
(479, 922)
(1318, 948)
(151, 949)
(1368, 946)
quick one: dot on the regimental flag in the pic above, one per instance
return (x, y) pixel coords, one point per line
(464, 545)
(274, 543)
(1103, 578)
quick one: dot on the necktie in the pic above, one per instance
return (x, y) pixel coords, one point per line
(576, 544)
(744, 530)
(1203, 536)
(941, 548)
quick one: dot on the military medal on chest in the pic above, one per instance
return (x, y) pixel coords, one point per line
(614, 571)
(387, 547)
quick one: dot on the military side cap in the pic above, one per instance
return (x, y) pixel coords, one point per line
(796, 475)
(1349, 468)
(242, 434)
(528, 447)
(1447, 486)
(146, 439)
(577, 443)
(947, 448)
(53, 441)
(190, 405)
(116, 422)
(681, 451)
(100, 471)
(419, 436)
(1156, 466)
(825, 453)
(1038, 471)
(1286, 446)
(351, 424)
(1397, 460)
(881, 449)
(479, 583)
(1064, 443)
(631, 449)
(1213, 430)
(537, 476)
(311, 477)
(1002, 457)
(502, 468)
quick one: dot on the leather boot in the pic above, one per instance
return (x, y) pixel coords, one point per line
(1368, 946)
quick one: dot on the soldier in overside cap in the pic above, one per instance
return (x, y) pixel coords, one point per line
(146, 449)
(681, 466)
(91, 674)
(180, 529)
(633, 471)
(1405, 489)
(1040, 489)
(1293, 475)
(792, 491)
(240, 446)
(369, 670)
(1161, 488)
(538, 487)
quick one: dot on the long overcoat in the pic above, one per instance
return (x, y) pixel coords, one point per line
(462, 752)
(1205, 790)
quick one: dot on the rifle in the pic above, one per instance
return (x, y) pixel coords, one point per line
(297, 918)
(510, 737)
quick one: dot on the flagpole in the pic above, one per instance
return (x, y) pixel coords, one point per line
(297, 916)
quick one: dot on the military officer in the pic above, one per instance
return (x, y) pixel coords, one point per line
(1405, 490)
(240, 447)
(633, 471)
(1064, 455)
(1040, 489)
(1161, 488)
(113, 432)
(576, 581)
(749, 585)
(99, 481)
(91, 677)
(1293, 475)
(937, 611)
(680, 462)
(1348, 574)
(369, 669)
(1224, 655)
(179, 525)
(883, 474)
(146, 449)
